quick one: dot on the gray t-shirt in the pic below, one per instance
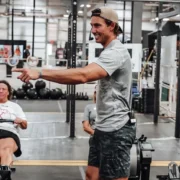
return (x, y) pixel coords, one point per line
(90, 114)
(112, 111)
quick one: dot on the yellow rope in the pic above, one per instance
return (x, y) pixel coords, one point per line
(147, 62)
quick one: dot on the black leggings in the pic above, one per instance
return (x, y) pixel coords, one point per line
(7, 134)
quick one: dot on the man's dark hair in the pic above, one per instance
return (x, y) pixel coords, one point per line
(9, 88)
(116, 28)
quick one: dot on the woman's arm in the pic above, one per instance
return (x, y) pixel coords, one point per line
(87, 128)
(22, 123)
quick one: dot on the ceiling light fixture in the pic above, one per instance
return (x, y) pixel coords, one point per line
(166, 19)
(82, 5)
(66, 15)
(80, 12)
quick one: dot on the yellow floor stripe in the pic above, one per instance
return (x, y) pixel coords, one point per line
(49, 163)
(72, 163)
(163, 163)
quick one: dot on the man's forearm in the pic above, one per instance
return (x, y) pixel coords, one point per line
(68, 76)
(89, 130)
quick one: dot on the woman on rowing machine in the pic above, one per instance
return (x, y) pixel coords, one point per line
(9, 132)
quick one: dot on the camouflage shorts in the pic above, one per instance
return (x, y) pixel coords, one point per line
(110, 152)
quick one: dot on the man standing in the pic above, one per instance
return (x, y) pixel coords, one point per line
(109, 153)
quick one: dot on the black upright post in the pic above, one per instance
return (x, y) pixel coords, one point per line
(33, 35)
(73, 87)
(124, 16)
(157, 73)
(8, 68)
(177, 127)
(132, 20)
(12, 33)
(68, 100)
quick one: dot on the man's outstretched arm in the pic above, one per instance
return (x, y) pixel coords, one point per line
(92, 72)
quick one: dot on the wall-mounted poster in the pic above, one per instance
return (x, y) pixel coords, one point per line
(6, 51)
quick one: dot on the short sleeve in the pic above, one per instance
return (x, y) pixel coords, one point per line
(86, 113)
(19, 112)
(110, 60)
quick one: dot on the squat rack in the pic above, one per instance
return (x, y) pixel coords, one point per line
(71, 89)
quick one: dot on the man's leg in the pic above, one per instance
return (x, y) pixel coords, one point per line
(92, 173)
(115, 154)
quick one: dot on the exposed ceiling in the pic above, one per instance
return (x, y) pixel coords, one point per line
(58, 8)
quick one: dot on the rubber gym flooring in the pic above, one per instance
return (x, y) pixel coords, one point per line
(49, 153)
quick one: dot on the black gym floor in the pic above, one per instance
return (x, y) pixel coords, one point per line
(49, 153)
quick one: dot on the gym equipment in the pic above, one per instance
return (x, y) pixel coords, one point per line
(148, 100)
(173, 174)
(27, 86)
(5, 173)
(13, 93)
(77, 96)
(6, 120)
(86, 97)
(55, 93)
(44, 93)
(80, 97)
(64, 95)
(13, 61)
(32, 61)
(141, 157)
(40, 84)
(32, 94)
(135, 103)
(20, 93)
